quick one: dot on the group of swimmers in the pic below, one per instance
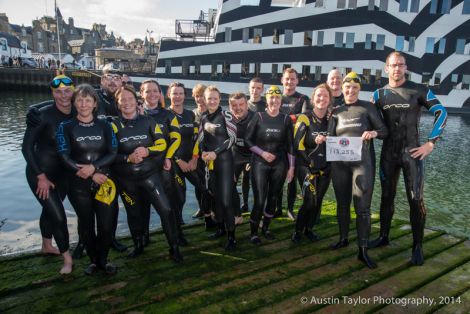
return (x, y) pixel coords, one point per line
(92, 146)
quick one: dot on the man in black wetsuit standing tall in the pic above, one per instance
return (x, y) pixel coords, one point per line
(400, 103)
(334, 82)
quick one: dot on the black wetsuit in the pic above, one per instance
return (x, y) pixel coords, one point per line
(401, 108)
(273, 135)
(257, 106)
(354, 179)
(241, 158)
(90, 143)
(140, 184)
(217, 133)
(293, 105)
(40, 152)
(197, 116)
(107, 106)
(313, 172)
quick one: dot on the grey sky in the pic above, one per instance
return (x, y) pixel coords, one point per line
(127, 18)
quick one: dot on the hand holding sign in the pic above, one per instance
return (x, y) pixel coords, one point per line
(343, 148)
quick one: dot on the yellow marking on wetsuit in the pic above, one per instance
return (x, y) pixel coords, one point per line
(302, 119)
(175, 139)
(159, 145)
(179, 180)
(157, 129)
(115, 128)
(196, 142)
(210, 165)
(107, 192)
(127, 198)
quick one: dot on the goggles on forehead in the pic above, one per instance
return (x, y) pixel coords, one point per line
(57, 82)
(273, 92)
(352, 79)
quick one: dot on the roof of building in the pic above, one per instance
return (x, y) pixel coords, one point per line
(13, 41)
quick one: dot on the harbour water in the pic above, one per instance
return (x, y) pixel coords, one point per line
(446, 184)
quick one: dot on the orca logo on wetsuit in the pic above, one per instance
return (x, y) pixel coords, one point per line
(89, 138)
(397, 106)
(324, 133)
(187, 125)
(210, 127)
(135, 138)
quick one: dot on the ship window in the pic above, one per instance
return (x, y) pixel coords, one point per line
(276, 36)
(425, 78)
(411, 44)
(339, 39)
(350, 40)
(319, 4)
(257, 70)
(308, 38)
(226, 69)
(441, 6)
(466, 7)
(305, 73)
(383, 5)
(366, 76)
(318, 73)
(274, 71)
(288, 3)
(403, 6)
(445, 6)
(380, 44)
(442, 46)
(245, 69)
(285, 66)
(378, 77)
(368, 43)
(466, 81)
(185, 67)
(460, 46)
(352, 4)
(400, 43)
(288, 36)
(348, 70)
(454, 78)
(429, 45)
(249, 2)
(245, 35)
(321, 35)
(371, 6)
(167, 66)
(214, 69)
(437, 78)
(228, 34)
(341, 4)
(257, 35)
(197, 67)
(414, 6)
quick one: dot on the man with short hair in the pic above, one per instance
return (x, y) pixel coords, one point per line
(111, 81)
(401, 103)
(334, 82)
(256, 103)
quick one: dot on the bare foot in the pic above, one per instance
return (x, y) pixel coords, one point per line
(68, 264)
(47, 247)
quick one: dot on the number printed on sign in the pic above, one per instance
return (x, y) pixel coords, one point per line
(343, 148)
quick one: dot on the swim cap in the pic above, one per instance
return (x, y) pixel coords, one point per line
(273, 91)
(352, 77)
(61, 81)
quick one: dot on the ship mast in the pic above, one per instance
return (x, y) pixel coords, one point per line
(58, 30)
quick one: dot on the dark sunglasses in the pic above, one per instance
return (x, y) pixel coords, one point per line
(63, 80)
(352, 79)
(273, 92)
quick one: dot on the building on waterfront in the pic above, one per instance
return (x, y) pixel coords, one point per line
(11, 46)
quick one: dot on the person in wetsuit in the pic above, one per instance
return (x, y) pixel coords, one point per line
(241, 154)
(293, 103)
(313, 171)
(269, 136)
(138, 168)
(217, 134)
(198, 95)
(334, 81)
(150, 91)
(401, 103)
(354, 179)
(87, 147)
(44, 171)
(256, 103)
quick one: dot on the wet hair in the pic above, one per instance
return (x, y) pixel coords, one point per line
(395, 53)
(290, 70)
(84, 90)
(324, 86)
(198, 89)
(257, 80)
(237, 95)
(128, 88)
(212, 88)
(175, 84)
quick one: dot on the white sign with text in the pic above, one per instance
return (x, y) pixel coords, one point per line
(343, 148)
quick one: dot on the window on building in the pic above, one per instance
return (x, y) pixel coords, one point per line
(320, 37)
(383, 6)
(433, 7)
(437, 78)
(23, 32)
(305, 73)
(339, 39)
(245, 70)
(366, 76)
(411, 44)
(368, 43)
(285, 66)
(371, 5)
(274, 71)
(341, 4)
(257, 35)
(465, 81)
(466, 7)
(380, 44)
(378, 77)
(430, 44)
(403, 7)
(350, 40)
(245, 35)
(446, 4)
(228, 34)
(3, 44)
(249, 2)
(41, 47)
(352, 4)
(276, 36)
(288, 36)
(39, 34)
(71, 32)
(185, 68)
(197, 67)
(400, 43)
(167, 66)
(454, 78)
(318, 73)
(319, 4)
(348, 70)
(226, 69)
(460, 46)
(442, 46)
(440, 6)
(414, 6)
(214, 69)
(425, 78)
(288, 3)
(257, 70)
(308, 38)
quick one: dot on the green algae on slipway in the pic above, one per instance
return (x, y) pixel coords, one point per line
(276, 277)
